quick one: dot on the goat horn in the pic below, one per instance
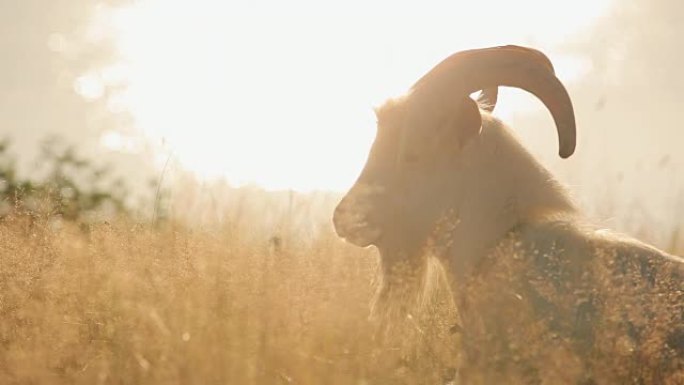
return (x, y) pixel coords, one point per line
(513, 66)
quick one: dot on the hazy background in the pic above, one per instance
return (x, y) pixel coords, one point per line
(281, 95)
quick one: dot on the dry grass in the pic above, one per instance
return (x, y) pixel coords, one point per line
(225, 303)
(131, 304)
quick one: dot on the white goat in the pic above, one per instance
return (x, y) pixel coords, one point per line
(543, 297)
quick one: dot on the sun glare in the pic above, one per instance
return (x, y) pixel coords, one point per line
(282, 95)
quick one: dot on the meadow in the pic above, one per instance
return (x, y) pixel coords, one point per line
(120, 302)
(235, 286)
(130, 275)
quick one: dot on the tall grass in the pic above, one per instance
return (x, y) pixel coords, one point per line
(123, 303)
(246, 287)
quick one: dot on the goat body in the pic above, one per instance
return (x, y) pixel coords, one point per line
(556, 302)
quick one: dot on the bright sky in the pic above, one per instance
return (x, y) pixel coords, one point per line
(281, 93)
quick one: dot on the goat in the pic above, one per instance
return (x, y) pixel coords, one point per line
(543, 296)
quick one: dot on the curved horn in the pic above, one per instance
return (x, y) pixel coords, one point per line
(481, 69)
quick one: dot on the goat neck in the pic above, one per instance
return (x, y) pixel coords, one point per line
(501, 187)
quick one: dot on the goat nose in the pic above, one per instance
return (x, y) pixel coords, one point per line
(347, 219)
(351, 223)
(340, 216)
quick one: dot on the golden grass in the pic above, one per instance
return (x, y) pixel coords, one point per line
(132, 304)
(218, 300)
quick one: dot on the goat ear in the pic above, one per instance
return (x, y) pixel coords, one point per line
(487, 98)
(469, 121)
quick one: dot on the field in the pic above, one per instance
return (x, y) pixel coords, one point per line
(132, 251)
(270, 296)
(124, 303)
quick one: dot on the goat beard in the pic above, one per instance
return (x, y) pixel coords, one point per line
(402, 291)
